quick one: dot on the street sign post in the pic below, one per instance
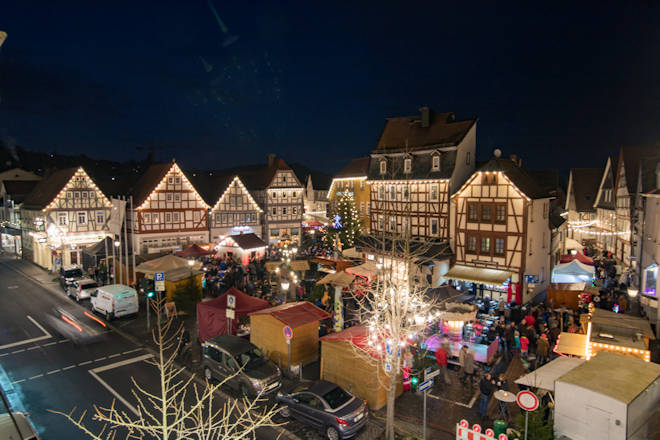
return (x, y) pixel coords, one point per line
(231, 301)
(230, 310)
(529, 402)
(159, 286)
(159, 276)
(430, 373)
(288, 334)
(424, 387)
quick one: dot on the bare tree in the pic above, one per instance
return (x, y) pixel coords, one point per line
(180, 409)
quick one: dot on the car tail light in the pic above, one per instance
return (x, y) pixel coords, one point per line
(342, 422)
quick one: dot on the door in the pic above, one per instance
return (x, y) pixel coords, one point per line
(215, 361)
(230, 367)
(310, 409)
(597, 423)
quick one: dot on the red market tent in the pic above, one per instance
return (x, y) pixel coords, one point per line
(212, 315)
(578, 256)
(193, 252)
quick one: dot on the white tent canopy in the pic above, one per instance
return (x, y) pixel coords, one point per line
(366, 270)
(170, 264)
(573, 272)
(569, 243)
(545, 376)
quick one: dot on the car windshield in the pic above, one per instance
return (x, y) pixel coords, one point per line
(89, 285)
(250, 359)
(336, 397)
(73, 273)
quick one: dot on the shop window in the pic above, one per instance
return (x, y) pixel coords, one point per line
(486, 213)
(82, 218)
(471, 247)
(484, 248)
(473, 212)
(499, 247)
(500, 213)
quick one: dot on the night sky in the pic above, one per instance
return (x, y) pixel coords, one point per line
(313, 81)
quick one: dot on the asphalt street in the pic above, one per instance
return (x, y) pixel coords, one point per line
(42, 370)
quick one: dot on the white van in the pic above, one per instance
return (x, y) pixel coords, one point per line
(8, 427)
(115, 301)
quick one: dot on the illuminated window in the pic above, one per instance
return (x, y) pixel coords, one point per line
(484, 249)
(651, 280)
(155, 218)
(435, 164)
(471, 245)
(383, 167)
(295, 210)
(82, 217)
(146, 218)
(473, 212)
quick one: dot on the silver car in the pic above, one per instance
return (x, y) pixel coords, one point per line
(82, 289)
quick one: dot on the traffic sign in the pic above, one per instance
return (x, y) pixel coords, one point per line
(527, 400)
(231, 313)
(159, 276)
(159, 286)
(430, 373)
(288, 333)
(425, 385)
(231, 301)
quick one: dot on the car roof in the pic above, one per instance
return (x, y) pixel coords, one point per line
(322, 387)
(85, 281)
(70, 267)
(233, 344)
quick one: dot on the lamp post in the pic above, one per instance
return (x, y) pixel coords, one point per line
(115, 247)
(285, 289)
(632, 293)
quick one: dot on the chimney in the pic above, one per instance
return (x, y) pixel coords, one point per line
(271, 159)
(426, 116)
(516, 160)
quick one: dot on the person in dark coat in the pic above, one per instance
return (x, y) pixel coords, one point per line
(487, 387)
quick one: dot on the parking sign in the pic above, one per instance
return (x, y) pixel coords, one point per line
(159, 276)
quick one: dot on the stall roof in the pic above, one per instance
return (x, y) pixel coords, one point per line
(572, 343)
(248, 241)
(545, 376)
(299, 265)
(358, 335)
(341, 279)
(606, 318)
(367, 270)
(618, 376)
(193, 251)
(577, 287)
(477, 274)
(351, 253)
(295, 314)
(166, 264)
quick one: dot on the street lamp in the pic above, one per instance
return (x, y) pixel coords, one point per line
(285, 285)
(632, 291)
(117, 243)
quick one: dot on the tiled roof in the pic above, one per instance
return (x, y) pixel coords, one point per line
(211, 185)
(407, 133)
(149, 181)
(356, 168)
(644, 158)
(47, 189)
(19, 189)
(608, 183)
(585, 187)
(520, 177)
(248, 241)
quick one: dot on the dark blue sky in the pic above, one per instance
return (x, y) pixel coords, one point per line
(559, 85)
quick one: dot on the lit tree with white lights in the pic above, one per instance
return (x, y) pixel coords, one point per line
(344, 223)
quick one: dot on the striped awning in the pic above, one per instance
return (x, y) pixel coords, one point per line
(480, 275)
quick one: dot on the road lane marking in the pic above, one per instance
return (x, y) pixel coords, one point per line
(100, 359)
(33, 347)
(53, 372)
(114, 355)
(131, 351)
(84, 363)
(4, 354)
(464, 405)
(35, 377)
(50, 343)
(18, 351)
(17, 381)
(121, 363)
(12, 287)
(114, 393)
(27, 341)
(69, 367)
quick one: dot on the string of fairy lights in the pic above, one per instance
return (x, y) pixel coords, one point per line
(346, 222)
(585, 227)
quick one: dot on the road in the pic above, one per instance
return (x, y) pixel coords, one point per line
(42, 370)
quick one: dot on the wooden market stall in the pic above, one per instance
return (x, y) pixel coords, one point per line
(567, 294)
(342, 365)
(331, 265)
(177, 270)
(267, 332)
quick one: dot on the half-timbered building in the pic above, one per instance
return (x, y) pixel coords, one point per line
(580, 198)
(64, 212)
(168, 212)
(283, 204)
(501, 233)
(605, 226)
(418, 162)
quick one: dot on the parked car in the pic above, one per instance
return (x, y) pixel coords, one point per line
(114, 301)
(326, 406)
(82, 289)
(8, 429)
(69, 274)
(247, 368)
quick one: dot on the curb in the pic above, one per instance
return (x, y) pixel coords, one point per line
(283, 433)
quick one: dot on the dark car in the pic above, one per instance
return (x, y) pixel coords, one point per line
(326, 406)
(243, 363)
(69, 274)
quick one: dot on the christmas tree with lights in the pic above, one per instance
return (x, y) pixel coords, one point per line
(344, 223)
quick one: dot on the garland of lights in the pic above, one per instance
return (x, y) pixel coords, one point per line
(346, 222)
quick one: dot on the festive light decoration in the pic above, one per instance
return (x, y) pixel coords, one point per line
(74, 183)
(344, 179)
(346, 225)
(237, 182)
(173, 171)
(488, 173)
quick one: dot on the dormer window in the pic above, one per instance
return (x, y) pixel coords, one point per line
(435, 163)
(407, 165)
(383, 167)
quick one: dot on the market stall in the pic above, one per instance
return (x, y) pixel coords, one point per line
(268, 332)
(212, 314)
(572, 272)
(577, 256)
(565, 294)
(619, 333)
(340, 364)
(178, 272)
(459, 325)
(242, 247)
(485, 282)
(545, 376)
(368, 270)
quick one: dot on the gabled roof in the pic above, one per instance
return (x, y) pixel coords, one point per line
(295, 314)
(320, 181)
(19, 189)
(47, 189)
(642, 158)
(248, 241)
(584, 187)
(519, 176)
(278, 165)
(356, 168)
(211, 185)
(606, 182)
(149, 181)
(407, 133)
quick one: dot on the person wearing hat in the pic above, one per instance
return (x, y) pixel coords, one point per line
(542, 350)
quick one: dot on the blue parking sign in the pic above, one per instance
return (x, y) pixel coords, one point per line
(159, 276)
